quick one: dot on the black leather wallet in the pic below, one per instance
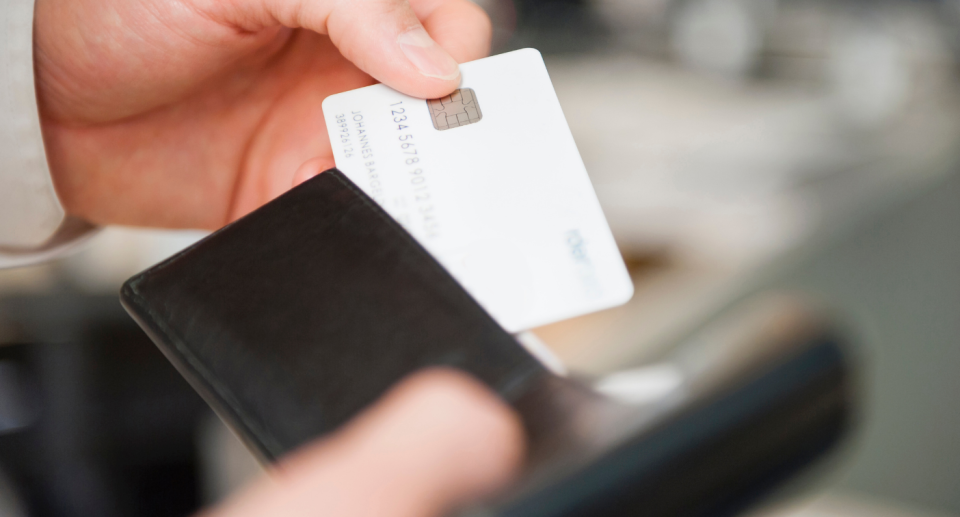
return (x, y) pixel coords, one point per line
(291, 320)
(294, 318)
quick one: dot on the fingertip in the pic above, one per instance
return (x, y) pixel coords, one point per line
(311, 168)
(434, 88)
(418, 57)
(451, 437)
(436, 441)
(470, 423)
(429, 58)
(430, 71)
(461, 27)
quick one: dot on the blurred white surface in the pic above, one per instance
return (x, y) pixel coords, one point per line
(118, 253)
(714, 168)
(847, 504)
(103, 263)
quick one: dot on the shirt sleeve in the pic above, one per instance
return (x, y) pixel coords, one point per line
(33, 225)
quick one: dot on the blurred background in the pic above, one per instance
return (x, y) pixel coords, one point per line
(737, 147)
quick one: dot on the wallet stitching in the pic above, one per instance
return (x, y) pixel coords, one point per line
(225, 394)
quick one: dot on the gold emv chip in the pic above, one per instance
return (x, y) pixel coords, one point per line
(460, 108)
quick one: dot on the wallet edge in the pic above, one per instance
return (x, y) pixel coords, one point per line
(265, 448)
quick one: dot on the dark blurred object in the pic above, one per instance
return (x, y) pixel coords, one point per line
(708, 427)
(93, 420)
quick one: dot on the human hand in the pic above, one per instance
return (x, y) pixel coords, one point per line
(437, 440)
(192, 113)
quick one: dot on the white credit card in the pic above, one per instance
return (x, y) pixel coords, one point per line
(490, 182)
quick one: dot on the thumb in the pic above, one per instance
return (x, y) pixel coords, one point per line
(384, 38)
(437, 440)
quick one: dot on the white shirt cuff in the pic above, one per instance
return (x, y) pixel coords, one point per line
(33, 225)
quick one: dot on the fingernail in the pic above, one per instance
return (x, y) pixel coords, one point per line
(427, 56)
